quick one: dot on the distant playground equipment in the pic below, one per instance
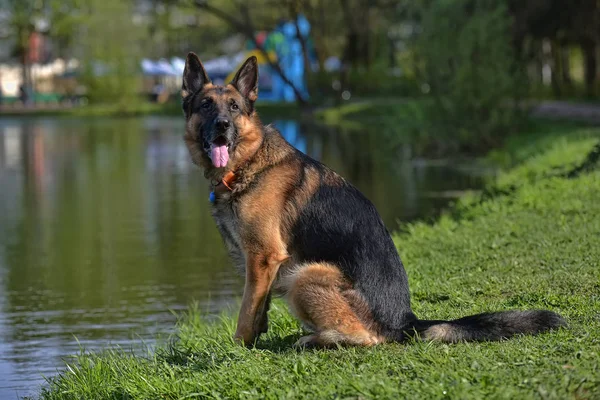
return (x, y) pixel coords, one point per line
(282, 45)
(60, 83)
(285, 45)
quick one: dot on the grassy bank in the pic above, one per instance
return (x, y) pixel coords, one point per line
(530, 241)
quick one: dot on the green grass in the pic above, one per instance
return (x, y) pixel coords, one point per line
(539, 136)
(374, 112)
(532, 242)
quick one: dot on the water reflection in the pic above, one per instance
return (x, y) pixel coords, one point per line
(105, 228)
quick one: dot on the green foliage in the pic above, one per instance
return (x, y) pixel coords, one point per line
(18, 18)
(468, 69)
(111, 44)
(66, 18)
(533, 248)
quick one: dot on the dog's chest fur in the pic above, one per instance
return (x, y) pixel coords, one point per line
(224, 212)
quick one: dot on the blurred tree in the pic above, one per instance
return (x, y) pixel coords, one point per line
(110, 42)
(57, 20)
(468, 69)
(65, 17)
(563, 23)
(175, 27)
(363, 34)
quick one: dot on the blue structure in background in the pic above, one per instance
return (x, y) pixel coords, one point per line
(290, 130)
(284, 42)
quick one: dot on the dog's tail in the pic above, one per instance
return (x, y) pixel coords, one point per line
(489, 326)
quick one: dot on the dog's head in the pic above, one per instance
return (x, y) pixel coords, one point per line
(222, 127)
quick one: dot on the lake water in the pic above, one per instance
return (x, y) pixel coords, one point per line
(105, 229)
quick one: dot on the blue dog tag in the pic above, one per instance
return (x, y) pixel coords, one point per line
(211, 197)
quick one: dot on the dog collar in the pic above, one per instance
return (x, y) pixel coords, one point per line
(225, 185)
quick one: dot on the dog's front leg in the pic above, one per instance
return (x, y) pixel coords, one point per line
(263, 318)
(261, 271)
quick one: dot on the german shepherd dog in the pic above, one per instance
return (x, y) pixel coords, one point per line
(296, 228)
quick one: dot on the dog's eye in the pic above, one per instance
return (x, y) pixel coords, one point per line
(206, 105)
(234, 106)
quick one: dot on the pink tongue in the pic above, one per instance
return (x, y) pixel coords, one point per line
(219, 155)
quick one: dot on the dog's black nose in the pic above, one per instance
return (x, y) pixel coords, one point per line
(223, 124)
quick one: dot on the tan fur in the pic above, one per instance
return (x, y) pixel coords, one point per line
(260, 274)
(441, 332)
(317, 296)
(264, 242)
(251, 139)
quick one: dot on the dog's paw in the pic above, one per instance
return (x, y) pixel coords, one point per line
(307, 342)
(238, 340)
(244, 339)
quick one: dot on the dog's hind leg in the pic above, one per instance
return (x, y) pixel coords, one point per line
(321, 297)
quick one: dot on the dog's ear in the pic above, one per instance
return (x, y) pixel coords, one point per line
(194, 76)
(246, 79)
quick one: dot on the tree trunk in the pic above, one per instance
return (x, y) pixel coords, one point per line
(26, 76)
(392, 52)
(23, 51)
(555, 63)
(319, 39)
(351, 51)
(365, 39)
(590, 61)
(565, 63)
(307, 70)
